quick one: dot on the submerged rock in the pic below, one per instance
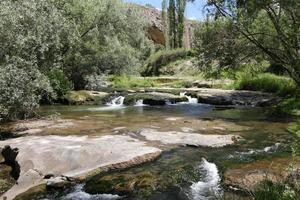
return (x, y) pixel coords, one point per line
(191, 139)
(248, 176)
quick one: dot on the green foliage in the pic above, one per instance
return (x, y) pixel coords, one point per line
(21, 88)
(127, 82)
(266, 82)
(162, 58)
(111, 39)
(272, 191)
(176, 19)
(59, 82)
(272, 27)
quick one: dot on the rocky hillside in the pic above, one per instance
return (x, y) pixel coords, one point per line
(155, 30)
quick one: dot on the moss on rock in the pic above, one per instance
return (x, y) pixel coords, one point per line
(84, 97)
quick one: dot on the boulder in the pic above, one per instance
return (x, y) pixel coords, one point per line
(85, 97)
(58, 183)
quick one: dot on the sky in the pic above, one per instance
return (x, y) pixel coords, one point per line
(193, 10)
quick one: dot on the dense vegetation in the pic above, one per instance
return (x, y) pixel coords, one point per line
(51, 46)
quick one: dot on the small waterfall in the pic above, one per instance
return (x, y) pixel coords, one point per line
(139, 102)
(191, 100)
(117, 102)
(209, 187)
(79, 194)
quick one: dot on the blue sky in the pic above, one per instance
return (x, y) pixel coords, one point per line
(193, 11)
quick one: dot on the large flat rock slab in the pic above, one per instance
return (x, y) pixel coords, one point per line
(226, 97)
(191, 139)
(74, 156)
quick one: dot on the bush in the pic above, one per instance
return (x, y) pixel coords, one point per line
(21, 88)
(162, 58)
(96, 82)
(266, 82)
(59, 82)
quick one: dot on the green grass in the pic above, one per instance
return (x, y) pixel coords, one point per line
(128, 82)
(266, 82)
(272, 191)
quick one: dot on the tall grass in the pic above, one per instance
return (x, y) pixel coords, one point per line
(162, 58)
(266, 82)
(127, 82)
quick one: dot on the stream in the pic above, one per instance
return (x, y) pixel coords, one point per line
(181, 172)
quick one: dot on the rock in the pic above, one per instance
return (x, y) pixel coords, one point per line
(247, 176)
(153, 98)
(155, 29)
(49, 175)
(191, 139)
(9, 155)
(6, 181)
(86, 97)
(27, 180)
(75, 157)
(234, 97)
(58, 183)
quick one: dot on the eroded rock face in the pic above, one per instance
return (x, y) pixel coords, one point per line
(191, 139)
(155, 29)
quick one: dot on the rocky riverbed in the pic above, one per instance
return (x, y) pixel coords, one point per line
(71, 143)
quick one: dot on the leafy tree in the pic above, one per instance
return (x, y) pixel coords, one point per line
(165, 23)
(272, 26)
(181, 5)
(112, 39)
(172, 24)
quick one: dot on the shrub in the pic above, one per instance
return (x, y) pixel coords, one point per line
(21, 88)
(162, 58)
(127, 82)
(266, 82)
(96, 82)
(59, 82)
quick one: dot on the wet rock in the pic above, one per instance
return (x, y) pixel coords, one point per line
(85, 97)
(153, 98)
(191, 139)
(58, 183)
(247, 176)
(75, 157)
(234, 97)
(9, 156)
(6, 181)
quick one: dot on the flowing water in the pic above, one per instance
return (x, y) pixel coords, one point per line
(180, 173)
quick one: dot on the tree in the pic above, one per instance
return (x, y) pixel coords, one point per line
(172, 24)
(112, 39)
(165, 23)
(272, 26)
(181, 5)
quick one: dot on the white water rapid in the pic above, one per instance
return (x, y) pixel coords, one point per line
(209, 187)
(117, 102)
(139, 102)
(191, 100)
(79, 194)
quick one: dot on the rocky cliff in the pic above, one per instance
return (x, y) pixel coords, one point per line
(155, 29)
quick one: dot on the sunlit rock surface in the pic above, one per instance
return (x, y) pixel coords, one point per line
(74, 156)
(192, 139)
